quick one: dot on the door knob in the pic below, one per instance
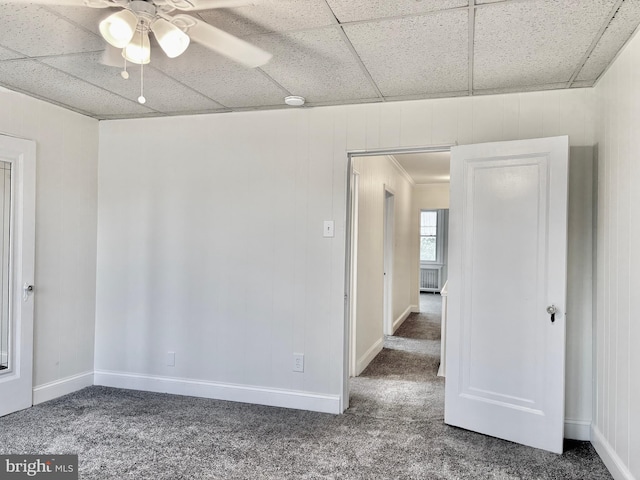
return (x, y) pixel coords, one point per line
(551, 310)
(26, 289)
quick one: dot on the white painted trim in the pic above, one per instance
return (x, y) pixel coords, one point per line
(403, 316)
(415, 308)
(64, 386)
(610, 458)
(577, 430)
(369, 355)
(401, 169)
(316, 402)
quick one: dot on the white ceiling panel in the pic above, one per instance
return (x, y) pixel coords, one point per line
(162, 93)
(535, 42)
(86, 17)
(416, 55)
(617, 33)
(35, 31)
(220, 79)
(8, 54)
(271, 16)
(31, 76)
(355, 10)
(315, 64)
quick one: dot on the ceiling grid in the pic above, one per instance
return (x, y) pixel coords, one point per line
(332, 52)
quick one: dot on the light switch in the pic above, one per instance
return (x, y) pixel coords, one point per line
(328, 228)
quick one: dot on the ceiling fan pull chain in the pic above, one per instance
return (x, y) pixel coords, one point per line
(124, 74)
(141, 98)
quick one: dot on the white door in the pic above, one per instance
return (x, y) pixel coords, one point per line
(508, 262)
(18, 166)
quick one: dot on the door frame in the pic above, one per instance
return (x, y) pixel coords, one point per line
(388, 258)
(349, 298)
(21, 153)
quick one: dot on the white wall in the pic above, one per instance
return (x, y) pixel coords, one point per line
(66, 223)
(182, 198)
(617, 362)
(376, 173)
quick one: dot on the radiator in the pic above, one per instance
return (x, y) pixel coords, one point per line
(430, 279)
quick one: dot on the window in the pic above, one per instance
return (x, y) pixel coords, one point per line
(428, 236)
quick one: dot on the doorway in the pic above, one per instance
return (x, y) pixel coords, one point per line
(384, 223)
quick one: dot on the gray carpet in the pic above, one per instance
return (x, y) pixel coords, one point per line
(393, 430)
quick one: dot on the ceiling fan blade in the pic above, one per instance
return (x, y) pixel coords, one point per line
(192, 5)
(222, 42)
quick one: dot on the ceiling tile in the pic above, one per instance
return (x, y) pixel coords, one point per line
(354, 10)
(86, 17)
(271, 16)
(35, 31)
(32, 77)
(535, 42)
(617, 33)
(162, 93)
(8, 54)
(415, 55)
(316, 64)
(220, 79)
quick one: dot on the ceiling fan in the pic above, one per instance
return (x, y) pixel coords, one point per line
(128, 29)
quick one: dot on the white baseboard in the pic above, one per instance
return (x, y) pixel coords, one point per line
(64, 386)
(221, 391)
(577, 430)
(369, 355)
(403, 316)
(610, 458)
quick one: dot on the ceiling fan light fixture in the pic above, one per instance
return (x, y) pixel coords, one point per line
(172, 40)
(138, 50)
(119, 28)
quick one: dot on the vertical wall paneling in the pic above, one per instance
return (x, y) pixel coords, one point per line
(66, 223)
(290, 168)
(616, 420)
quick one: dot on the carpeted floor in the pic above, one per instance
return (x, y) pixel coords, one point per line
(393, 430)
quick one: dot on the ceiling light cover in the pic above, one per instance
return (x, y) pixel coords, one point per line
(139, 50)
(294, 100)
(118, 29)
(172, 40)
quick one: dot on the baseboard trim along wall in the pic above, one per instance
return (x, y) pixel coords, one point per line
(64, 386)
(369, 355)
(577, 430)
(220, 391)
(610, 458)
(403, 316)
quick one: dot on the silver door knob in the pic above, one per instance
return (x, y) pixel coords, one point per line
(552, 310)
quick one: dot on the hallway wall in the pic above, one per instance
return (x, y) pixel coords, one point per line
(375, 174)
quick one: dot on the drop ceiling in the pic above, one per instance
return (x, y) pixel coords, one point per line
(328, 51)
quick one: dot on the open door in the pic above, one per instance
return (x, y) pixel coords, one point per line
(507, 290)
(17, 250)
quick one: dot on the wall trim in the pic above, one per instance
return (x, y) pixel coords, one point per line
(63, 386)
(610, 458)
(577, 430)
(369, 355)
(273, 397)
(401, 170)
(403, 316)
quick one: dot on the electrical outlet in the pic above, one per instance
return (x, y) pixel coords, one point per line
(298, 362)
(171, 359)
